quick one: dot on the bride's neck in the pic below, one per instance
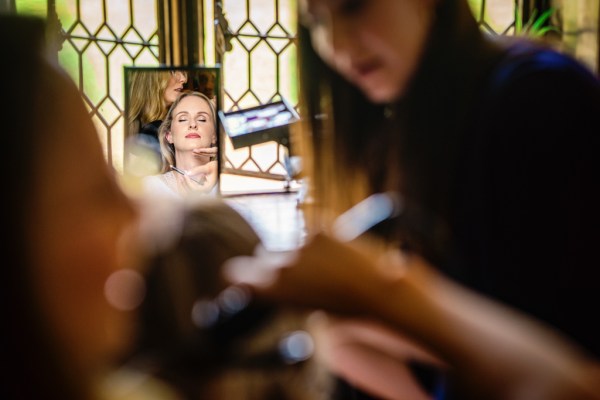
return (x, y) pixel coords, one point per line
(187, 160)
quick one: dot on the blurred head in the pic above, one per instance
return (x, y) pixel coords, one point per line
(210, 340)
(189, 124)
(68, 224)
(175, 86)
(79, 228)
(375, 44)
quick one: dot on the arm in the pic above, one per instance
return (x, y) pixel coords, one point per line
(500, 353)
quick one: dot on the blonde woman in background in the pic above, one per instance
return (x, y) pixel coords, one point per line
(151, 93)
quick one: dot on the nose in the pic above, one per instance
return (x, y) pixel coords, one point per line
(192, 123)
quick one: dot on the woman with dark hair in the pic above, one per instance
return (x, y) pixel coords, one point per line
(490, 143)
(151, 93)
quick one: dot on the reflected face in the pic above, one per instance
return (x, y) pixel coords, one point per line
(81, 230)
(175, 86)
(374, 44)
(193, 125)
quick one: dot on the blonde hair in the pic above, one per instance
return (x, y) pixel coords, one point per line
(167, 149)
(146, 102)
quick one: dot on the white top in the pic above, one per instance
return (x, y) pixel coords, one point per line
(166, 185)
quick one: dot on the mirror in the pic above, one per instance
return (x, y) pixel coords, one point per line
(179, 107)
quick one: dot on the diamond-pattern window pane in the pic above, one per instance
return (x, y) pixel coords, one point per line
(503, 17)
(236, 12)
(119, 14)
(94, 72)
(259, 69)
(262, 13)
(102, 36)
(91, 14)
(495, 16)
(237, 64)
(67, 9)
(261, 81)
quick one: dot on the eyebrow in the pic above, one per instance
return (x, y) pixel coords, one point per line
(186, 112)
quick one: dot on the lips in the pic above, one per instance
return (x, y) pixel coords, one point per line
(364, 69)
(192, 136)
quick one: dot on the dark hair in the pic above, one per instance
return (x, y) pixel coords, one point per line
(359, 148)
(31, 367)
(206, 338)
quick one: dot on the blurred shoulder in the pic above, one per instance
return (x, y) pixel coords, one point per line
(528, 64)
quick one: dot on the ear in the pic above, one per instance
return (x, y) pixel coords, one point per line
(169, 137)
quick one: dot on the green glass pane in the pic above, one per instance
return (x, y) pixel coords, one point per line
(67, 13)
(69, 60)
(476, 8)
(36, 8)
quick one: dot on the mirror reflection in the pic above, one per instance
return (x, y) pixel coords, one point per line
(172, 137)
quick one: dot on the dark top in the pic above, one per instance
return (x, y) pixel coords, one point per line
(148, 135)
(525, 215)
(503, 187)
(146, 139)
(499, 142)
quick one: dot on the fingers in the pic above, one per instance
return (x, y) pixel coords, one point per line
(205, 151)
(259, 270)
(204, 176)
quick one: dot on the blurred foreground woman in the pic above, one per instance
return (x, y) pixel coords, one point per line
(491, 145)
(68, 246)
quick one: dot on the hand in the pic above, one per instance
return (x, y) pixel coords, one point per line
(204, 177)
(206, 151)
(324, 274)
(371, 356)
